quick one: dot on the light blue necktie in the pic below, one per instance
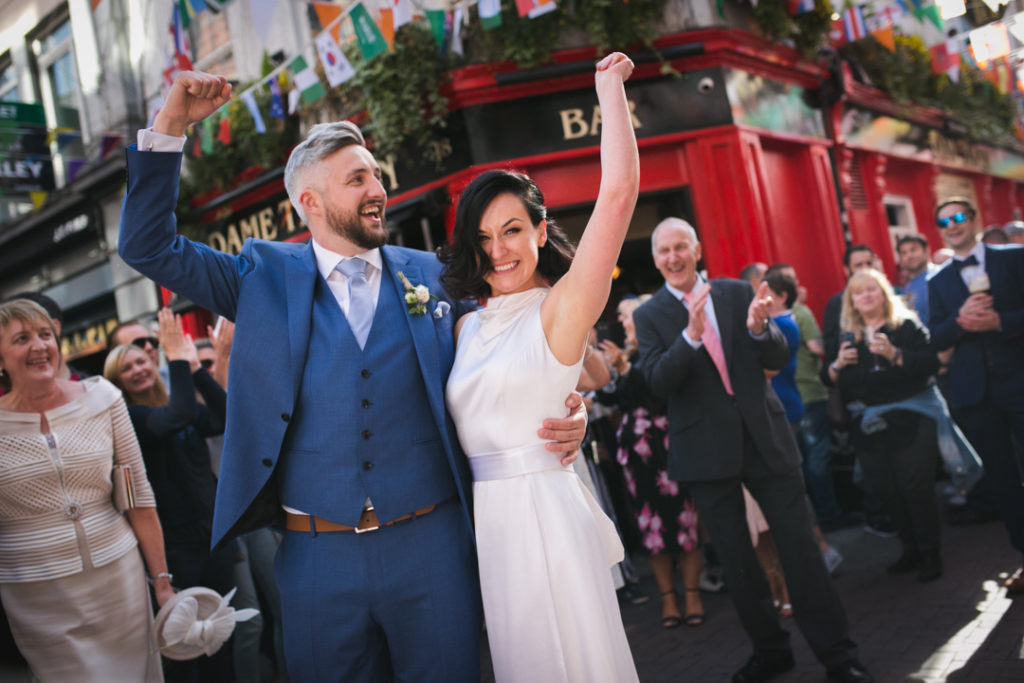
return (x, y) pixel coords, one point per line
(360, 298)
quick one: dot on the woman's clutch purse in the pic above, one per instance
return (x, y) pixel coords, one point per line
(123, 495)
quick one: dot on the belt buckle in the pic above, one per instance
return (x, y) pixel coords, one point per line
(368, 529)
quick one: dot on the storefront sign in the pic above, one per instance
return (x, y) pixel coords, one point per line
(881, 133)
(88, 340)
(25, 162)
(273, 220)
(570, 120)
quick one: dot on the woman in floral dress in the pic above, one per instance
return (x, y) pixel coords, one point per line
(663, 510)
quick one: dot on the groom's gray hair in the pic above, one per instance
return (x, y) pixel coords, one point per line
(322, 140)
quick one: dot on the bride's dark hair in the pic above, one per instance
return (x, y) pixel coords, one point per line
(466, 263)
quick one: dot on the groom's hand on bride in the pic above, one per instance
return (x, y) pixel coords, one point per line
(194, 95)
(565, 435)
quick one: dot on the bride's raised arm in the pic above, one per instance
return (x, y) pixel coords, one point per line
(577, 299)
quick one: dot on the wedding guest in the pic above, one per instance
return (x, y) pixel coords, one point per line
(172, 431)
(663, 509)
(1015, 231)
(72, 578)
(884, 358)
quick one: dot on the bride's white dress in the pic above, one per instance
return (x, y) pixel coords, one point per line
(544, 546)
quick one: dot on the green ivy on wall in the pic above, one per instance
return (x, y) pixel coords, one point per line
(807, 31)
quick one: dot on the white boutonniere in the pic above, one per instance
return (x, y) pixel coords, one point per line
(441, 310)
(416, 296)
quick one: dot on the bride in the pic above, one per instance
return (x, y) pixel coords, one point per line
(543, 544)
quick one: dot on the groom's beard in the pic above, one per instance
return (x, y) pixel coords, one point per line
(351, 227)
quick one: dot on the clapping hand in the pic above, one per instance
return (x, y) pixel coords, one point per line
(614, 355)
(977, 314)
(177, 345)
(193, 96)
(698, 317)
(881, 346)
(757, 314)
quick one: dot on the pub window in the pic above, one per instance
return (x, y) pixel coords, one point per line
(8, 80)
(58, 75)
(900, 212)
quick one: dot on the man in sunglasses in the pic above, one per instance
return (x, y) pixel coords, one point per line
(976, 308)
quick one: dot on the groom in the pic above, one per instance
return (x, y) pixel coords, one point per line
(339, 433)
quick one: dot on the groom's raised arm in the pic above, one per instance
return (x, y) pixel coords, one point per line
(148, 239)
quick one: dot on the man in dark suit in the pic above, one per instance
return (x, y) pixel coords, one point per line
(336, 419)
(706, 348)
(976, 307)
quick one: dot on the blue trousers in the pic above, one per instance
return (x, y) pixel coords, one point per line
(398, 604)
(815, 439)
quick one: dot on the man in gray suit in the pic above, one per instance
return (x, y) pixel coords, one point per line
(705, 347)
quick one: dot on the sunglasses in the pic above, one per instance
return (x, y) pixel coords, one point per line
(142, 341)
(959, 218)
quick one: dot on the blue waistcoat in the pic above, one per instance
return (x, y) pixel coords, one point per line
(362, 425)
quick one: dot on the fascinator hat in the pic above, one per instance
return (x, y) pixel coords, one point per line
(196, 621)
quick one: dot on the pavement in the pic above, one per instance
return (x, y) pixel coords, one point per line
(961, 628)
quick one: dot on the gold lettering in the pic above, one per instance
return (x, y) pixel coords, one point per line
(632, 115)
(267, 228)
(285, 209)
(234, 242)
(595, 121)
(217, 241)
(573, 125)
(387, 168)
(249, 227)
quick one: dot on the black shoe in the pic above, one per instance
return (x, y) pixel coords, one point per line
(930, 566)
(908, 562)
(851, 672)
(761, 668)
(631, 595)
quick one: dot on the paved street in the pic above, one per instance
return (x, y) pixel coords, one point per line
(960, 628)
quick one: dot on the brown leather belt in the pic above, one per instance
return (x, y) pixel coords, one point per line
(367, 521)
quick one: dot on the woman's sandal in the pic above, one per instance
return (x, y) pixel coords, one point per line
(694, 619)
(671, 621)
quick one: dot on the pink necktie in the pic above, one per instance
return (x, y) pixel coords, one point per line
(713, 344)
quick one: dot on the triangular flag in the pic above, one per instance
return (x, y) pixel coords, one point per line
(336, 66)
(38, 199)
(490, 13)
(457, 18)
(942, 59)
(853, 24)
(953, 66)
(371, 42)
(401, 11)
(262, 12)
(387, 27)
(208, 135)
(95, 4)
(886, 38)
(989, 42)
(800, 6)
(950, 9)
(535, 8)
(186, 13)
(837, 33)
(437, 21)
(224, 134)
(932, 14)
(293, 100)
(306, 81)
(276, 105)
(327, 13)
(254, 110)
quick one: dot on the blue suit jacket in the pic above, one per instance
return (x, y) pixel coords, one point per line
(267, 290)
(1004, 350)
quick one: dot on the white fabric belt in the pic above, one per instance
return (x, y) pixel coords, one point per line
(516, 462)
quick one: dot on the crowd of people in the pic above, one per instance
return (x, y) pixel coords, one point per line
(379, 539)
